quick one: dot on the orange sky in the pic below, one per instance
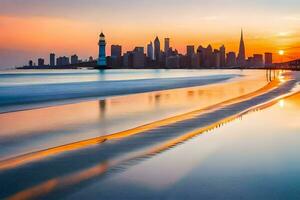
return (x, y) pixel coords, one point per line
(38, 29)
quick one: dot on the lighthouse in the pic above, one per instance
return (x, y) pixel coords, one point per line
(101, 62)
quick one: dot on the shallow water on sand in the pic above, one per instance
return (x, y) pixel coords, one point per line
(37, 129)
(253, 157)
(164, 159)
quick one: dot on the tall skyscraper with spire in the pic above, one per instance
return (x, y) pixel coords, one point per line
(156, 49)
(150, 50)
(242, 53)
(101, 62)
(167, 46)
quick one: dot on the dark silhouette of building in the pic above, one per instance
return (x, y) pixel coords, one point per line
(41, 62)
(116, 56)
(167, 46)
(150, 50)
(74, 59)
(157, 50)
(241, 59)
(216, 59)
(138, 57)
(195, 61)
(128, 59)
(173, 62)
(268, 59)
(62, 61)
(231, 59)
(30, 63)
(258, 60)
(52, 59)
(208, 59)
(222, 56)
(190, 50)
(201, 52)
(116, 51)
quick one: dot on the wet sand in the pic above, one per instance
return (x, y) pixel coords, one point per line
(86, 160)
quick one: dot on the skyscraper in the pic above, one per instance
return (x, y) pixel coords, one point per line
(116, 51)
(74, 59)
(222, 56)
(190, 50)
(268, 59)
(241, 59)
(157, 49)
(52, 59)
(167, 46)
(258, 60)
(30, 63)
(102, 54)
(208, 58)
(231, 59)
(138, 57)
(150, 50)
(41, 62)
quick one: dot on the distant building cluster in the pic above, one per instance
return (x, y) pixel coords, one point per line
(59, 61)
(157, 57)
(202, 57)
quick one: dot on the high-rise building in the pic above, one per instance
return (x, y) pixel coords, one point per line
(102, 54)
(150, 50)
(116, 51)
(157, 50)
(128, 59)
(116, 56)
(241, 59)
(222, 56)
(216, 61)
(201, 52)
(195, 61)
(190, 50)
(172, 62)
(52, 59)
(62, 61)
(208, 58)
(41, 62)
(167, 46)
(258, 60)
(138, 57)
(74, 59)
(231, 59)
(268, 59)
(139, 49)
(30, 63)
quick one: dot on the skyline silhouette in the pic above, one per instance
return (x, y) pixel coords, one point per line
(69, 27)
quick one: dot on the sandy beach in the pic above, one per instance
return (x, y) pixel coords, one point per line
(175, 134)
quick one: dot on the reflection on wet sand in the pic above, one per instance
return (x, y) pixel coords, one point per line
(23, 159)
(101, 168)
(144, 141)
(34, 130)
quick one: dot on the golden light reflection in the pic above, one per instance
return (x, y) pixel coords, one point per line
(281, 103)
(99, 169)
(30, 157)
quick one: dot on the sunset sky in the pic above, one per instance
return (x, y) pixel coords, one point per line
(33, 28)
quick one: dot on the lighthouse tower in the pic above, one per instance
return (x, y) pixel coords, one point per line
(101, 62)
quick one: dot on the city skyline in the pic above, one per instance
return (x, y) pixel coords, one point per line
(159, 56)
(42, 27)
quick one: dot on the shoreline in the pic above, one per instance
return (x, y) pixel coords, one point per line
(37, 96)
